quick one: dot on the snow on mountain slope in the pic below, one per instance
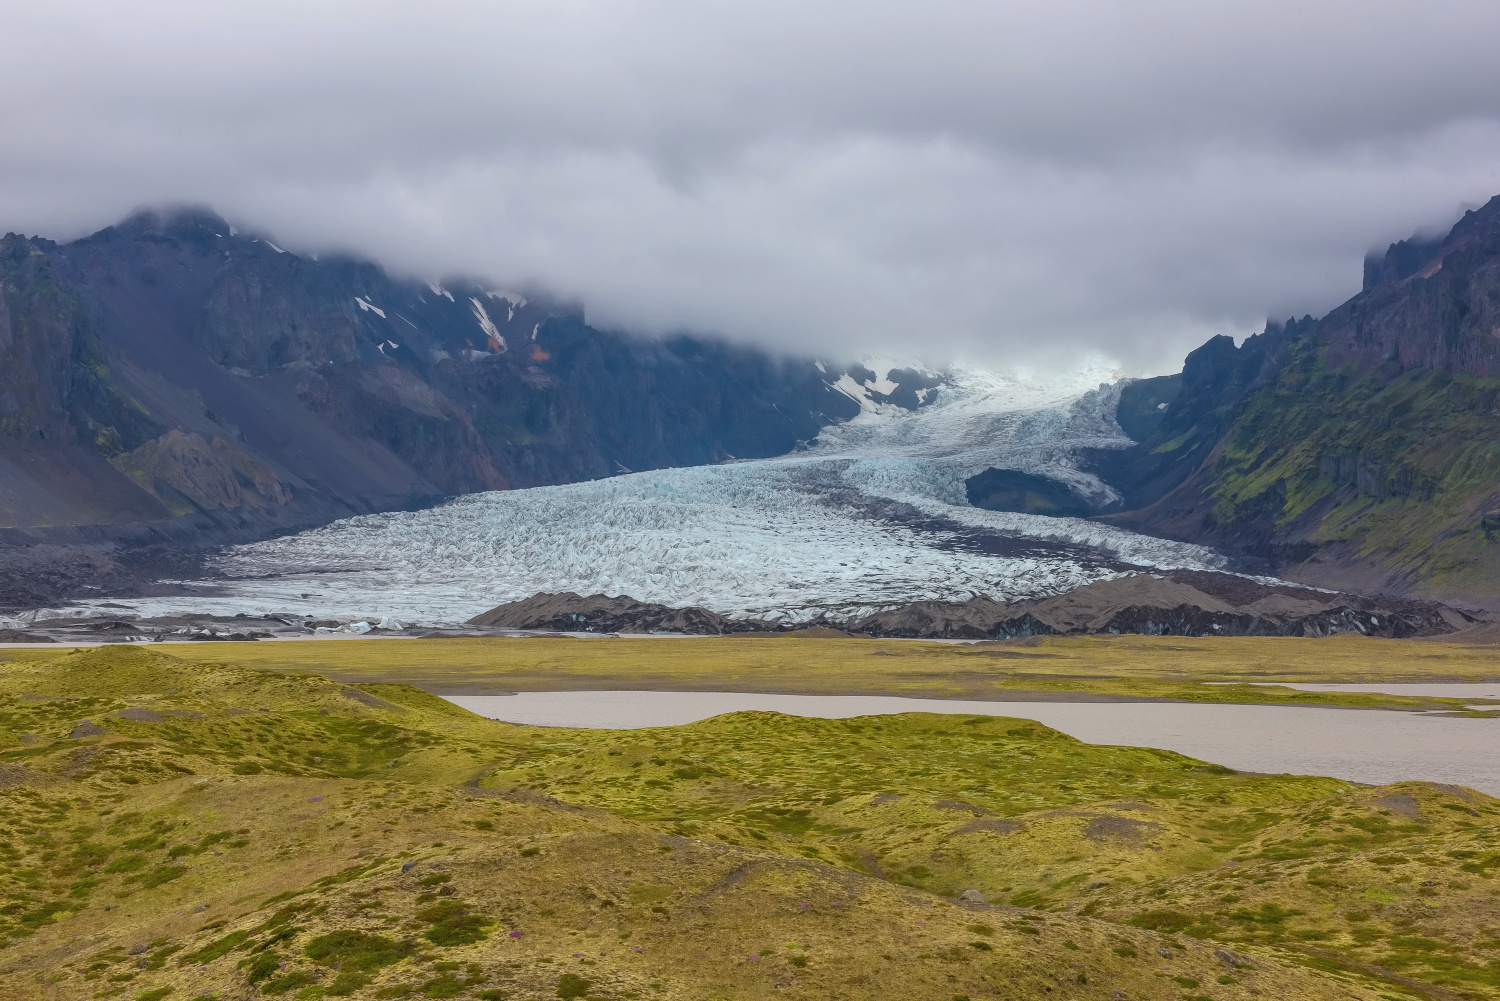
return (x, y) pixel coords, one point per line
(870, 515)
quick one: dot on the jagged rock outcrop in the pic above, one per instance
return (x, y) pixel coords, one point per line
(1013, 490)
(206, 475)
(1427, 303)
(1354, 451)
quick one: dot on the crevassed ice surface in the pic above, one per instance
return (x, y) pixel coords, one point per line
(870, 515)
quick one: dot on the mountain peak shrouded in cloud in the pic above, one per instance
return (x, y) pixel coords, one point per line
(1010, 185)
(177, 221)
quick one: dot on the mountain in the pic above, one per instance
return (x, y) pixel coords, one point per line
(1359, 450)
(172, 378)
(169, 384)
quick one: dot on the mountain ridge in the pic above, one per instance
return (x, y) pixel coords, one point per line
(1360, 450)
(173, 380)
(169, 384)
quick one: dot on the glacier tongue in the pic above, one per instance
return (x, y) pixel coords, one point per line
(870, 515)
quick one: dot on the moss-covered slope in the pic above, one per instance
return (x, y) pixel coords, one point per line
(1355, 450)
(187, 830)
(1385, 478)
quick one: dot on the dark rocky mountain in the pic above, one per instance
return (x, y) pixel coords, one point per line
(1012, 490)
(171, 379)
(1358, 450)
(168, 382)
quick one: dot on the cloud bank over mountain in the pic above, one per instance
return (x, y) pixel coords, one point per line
(1011, 186)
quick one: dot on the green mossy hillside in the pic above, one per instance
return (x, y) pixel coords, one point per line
(189, 830)
(1402, 470)
(1335, 467)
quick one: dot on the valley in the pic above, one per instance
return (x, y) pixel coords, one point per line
(749, 502)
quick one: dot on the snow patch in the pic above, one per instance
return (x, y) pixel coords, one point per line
(497, 343)
(363, 305)
(858, 393)
(881, 383)
(513, 300)
(274, 247)
(439, 290)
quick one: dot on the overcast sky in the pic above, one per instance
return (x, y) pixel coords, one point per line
(999, 182)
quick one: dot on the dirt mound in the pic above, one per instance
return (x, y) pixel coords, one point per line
(21, 636)
(1181, 604)
(820, 632)
(572, 613)
(1187, 603)
(977, 618)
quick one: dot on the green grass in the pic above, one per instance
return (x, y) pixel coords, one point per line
(392, 845)
(1127, 666)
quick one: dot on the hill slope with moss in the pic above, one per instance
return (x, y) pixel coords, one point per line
(192, 830)
(1358, 450)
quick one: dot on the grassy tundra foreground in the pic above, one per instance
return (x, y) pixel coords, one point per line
(801, 664)
(184, 829)
(1135, 667)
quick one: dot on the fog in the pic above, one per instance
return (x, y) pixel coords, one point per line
(1016, 185)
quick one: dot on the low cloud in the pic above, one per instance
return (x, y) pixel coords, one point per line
(941, 180)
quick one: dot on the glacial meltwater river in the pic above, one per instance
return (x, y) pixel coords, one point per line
(1360, 745)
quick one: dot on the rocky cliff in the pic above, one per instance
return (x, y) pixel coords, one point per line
(172, 372)
(1357, 450)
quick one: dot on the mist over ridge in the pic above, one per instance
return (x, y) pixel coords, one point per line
(1005, 187)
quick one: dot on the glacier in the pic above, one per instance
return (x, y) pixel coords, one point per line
(869, 515)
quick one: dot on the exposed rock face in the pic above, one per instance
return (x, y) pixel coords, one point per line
(1012, 490)
(22, 636)
(1355, 451)
(167, 367)
(1427, 304)
(210, 476)
(975, 619)
(1160, 606)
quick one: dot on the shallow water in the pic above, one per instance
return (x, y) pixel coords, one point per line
(1371, 746)
(1435, 689)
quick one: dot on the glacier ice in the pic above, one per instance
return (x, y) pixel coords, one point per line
(869, 515)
